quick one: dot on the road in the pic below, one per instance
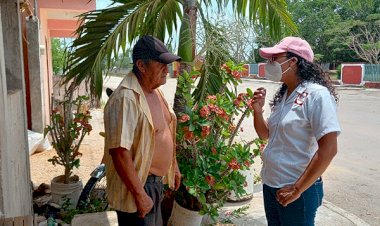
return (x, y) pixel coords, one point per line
(352, 182)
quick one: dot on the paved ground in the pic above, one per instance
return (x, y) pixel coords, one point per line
(352, 182)
(328, 214)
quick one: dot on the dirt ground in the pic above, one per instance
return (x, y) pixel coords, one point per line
(43, 171)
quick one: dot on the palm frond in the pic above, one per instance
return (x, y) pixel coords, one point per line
(105, 32)
(269, 13)
(216, 53)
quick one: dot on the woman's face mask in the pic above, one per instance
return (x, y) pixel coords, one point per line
(273, 70)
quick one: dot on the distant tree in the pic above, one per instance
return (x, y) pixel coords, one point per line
(242, 40)
(123, 61)
(58, 51)
(314, 18)
(357, 36)
(362, 37)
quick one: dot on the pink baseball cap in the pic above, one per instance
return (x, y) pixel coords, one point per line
(289, 44)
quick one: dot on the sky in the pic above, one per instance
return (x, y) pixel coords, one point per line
(101, 4)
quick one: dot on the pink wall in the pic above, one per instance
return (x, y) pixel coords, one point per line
(57, 19)
(82, 5)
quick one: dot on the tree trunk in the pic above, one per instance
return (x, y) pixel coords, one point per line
(186, 50)
(186, 47)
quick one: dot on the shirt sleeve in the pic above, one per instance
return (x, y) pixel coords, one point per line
(323, 114)
(120, 125)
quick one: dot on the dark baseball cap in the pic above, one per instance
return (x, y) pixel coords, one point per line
(149, 47)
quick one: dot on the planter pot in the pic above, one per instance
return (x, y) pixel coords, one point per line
(249, 189)
(184, 217)
(257, 187)
(60, 192)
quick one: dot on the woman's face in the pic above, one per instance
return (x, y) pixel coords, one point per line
(288, 67)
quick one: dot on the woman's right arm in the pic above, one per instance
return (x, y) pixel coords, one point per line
(260, 124)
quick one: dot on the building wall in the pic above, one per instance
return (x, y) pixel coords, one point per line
(57, 19)
(15, 186)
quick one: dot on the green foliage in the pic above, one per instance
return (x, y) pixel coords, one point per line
(360, 37)
(230, 215)
(67, 213)
(104, 33)
(58, 52)
(69, 123)
(208, 158)
(328, 26)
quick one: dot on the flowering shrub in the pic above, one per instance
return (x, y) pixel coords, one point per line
(69, 123)
(208, 157)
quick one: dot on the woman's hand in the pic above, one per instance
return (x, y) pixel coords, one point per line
(259, 99)
(287, 195)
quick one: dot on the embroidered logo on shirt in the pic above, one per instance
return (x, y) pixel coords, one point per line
(301, 98)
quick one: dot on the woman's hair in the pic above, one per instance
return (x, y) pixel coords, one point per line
(307, 71)
(136, 70)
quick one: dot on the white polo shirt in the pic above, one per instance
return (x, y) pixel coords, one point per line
(295, 126)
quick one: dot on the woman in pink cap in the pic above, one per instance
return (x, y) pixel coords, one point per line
(302, 133)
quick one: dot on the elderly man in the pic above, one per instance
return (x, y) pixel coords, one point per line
(140, 138)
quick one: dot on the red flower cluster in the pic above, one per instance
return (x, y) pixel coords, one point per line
(188, 134)
(235, 74)
(204, 112)
(226, 68)
(184, 118)
(234, 165)
(205, 131)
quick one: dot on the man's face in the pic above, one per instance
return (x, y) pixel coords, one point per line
(155, 72)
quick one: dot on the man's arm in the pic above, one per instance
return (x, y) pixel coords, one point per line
(122, 160)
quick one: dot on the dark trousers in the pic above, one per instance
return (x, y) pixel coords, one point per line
(300, 212)
(154, 188)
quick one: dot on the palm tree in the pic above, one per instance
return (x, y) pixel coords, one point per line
(104, 33)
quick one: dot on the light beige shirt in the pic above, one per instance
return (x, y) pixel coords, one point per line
(128, 124)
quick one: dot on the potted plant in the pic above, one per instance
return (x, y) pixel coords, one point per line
(69, 123)
(209, 160)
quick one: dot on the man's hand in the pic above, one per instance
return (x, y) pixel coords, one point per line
(144, 204)
(287, 195)
(177, 179)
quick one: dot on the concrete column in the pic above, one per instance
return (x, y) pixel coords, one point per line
(3, 118)
(35, 75)
(15, 183)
